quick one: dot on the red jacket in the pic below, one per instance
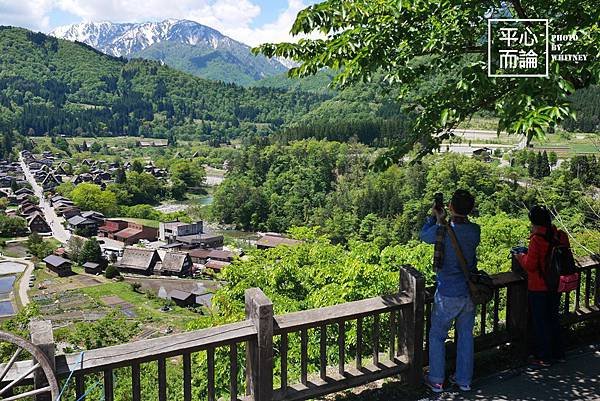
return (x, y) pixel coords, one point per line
(537, 257)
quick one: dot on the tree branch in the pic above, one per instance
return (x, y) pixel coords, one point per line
(519, 9)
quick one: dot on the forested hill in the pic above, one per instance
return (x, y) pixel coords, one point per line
(61, 87)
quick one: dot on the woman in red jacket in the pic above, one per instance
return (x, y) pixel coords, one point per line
(543, 303)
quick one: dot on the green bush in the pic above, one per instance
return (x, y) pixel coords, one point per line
(111, 271)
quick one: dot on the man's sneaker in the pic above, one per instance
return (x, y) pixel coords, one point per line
(461, 387)
(435, 387)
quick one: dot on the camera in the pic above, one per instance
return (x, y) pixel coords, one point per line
(438, 200)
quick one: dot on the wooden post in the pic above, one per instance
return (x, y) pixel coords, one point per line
(259, 352)
(412, 321)
(42, 336)
(517, 318)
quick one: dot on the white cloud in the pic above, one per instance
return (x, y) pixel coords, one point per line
(277, 31)
(32, 14)
(232, 17)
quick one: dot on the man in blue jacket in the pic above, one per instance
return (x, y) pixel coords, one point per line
(452, 301)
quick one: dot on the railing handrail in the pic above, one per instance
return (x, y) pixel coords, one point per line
(192, 341)
(406, 309)
(309, 318)
(152, 349)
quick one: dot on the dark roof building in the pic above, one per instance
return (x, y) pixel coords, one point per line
(182, 298)
(59, 265)
(82, 225)
(199, 255)
(93, 215)
(138, 261)
(174, 264)
(223, 256)
(37, 224)
(24, 191)
(200, 241)
(216, 265)
(93, 268)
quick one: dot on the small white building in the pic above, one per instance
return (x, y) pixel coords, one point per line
(168, 231)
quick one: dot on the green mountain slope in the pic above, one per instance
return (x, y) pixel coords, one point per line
(234, 65)
(61, 87)
(315, 83)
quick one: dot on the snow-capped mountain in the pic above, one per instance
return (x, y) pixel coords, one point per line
(182, 44)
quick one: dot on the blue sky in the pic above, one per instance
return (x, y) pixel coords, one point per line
(250, 21)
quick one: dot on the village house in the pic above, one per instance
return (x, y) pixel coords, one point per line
(101, 175)
(81, 178)
(93, 267)
(93, 215)
(60, 170)
(272, 240)
(111, 227)
(23, 198)
(37, 224)
(35, 166)
(174, 264)
(6, 180)
(221, 255)
(182, 298)
(216, 265)
(83, 226)
(169, 231)
(27, 209)
(59, 199)
(200, 241)
(59, 265)
(50, 182)
(138, 261)
(68, 211)
(135, 232)
(199, 255)
(24, 191)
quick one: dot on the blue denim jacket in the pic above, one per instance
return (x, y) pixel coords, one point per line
(450, 278)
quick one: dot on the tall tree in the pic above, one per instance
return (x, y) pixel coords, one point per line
(413, 41)
(90, 252)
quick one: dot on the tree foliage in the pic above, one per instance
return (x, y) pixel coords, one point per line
(90, 252)
(92, 197)
(413, 41)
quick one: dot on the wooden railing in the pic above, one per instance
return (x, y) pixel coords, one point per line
(389, 338)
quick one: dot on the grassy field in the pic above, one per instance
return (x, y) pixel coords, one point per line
(145, 222)
(570, 144)
(480, 123)
(148, 310)
(565, 144)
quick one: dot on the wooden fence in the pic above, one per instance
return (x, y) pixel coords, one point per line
(397, 345)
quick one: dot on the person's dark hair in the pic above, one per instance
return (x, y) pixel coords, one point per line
(540, 216)
(462, 202)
